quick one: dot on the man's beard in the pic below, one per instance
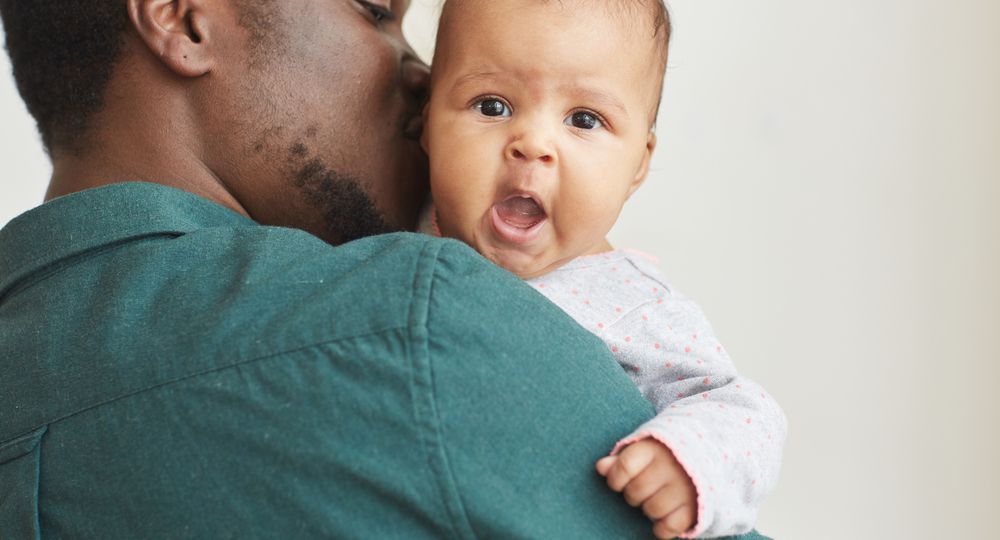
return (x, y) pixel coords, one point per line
(349, 212)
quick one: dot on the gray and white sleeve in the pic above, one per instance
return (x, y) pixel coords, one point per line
(725, 430)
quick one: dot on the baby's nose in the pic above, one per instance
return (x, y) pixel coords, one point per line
(531, 148)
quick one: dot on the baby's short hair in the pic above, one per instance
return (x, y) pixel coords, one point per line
(662, 31)
(655, 9)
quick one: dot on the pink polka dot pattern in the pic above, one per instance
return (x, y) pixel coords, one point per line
(666, 345)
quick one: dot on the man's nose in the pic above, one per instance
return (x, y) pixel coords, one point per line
(416, 77)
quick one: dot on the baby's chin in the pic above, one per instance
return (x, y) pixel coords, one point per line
(527, 265)
(524, 265)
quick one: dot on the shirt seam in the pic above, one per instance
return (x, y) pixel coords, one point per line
(216, 369)
(42, 272)
(424, 398)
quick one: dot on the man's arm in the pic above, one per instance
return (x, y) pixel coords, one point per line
(521, 402)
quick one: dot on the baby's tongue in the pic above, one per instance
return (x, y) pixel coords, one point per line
(520, 212)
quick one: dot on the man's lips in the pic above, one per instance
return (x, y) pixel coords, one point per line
(518, 219)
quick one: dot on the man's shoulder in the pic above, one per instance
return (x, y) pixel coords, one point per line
(379, 275)
(149, 311)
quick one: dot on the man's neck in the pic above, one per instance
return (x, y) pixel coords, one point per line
(149, 132)
(139, 154)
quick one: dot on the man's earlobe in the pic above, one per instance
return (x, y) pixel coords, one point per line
(177, 32)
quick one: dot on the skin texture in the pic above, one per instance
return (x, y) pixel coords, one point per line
(305, 115)
(581, 177)
(504, 121)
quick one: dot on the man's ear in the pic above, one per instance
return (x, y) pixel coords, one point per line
(177, 32)
(640, 175)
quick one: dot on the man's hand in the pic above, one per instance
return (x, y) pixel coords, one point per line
(647, 473)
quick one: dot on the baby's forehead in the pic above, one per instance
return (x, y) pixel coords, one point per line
(651, 13)
(644, 16)
(636, 18)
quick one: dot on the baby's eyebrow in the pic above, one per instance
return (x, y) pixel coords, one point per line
(601, 98)
(476, 77)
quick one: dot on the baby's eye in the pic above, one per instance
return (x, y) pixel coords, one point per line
(492, 107)
(584, 120)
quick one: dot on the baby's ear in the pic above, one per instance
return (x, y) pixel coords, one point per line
(640, 175)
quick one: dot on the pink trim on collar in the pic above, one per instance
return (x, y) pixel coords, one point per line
(434, 222)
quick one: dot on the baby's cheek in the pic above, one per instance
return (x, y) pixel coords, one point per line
(595, 211)
(453, 214)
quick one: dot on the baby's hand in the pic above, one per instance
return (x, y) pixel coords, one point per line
(649, 476)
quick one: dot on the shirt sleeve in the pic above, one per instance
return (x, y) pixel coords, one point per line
(725, 430)
(519, 402)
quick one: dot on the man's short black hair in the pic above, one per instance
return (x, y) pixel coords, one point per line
(63, 53)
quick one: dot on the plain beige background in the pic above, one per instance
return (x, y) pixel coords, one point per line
(827, 186)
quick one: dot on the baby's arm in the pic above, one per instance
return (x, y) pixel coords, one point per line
(723, 430)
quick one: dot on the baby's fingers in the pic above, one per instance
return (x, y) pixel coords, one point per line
(671, 516)
(629, 463)
(604, 464)
(649, 482)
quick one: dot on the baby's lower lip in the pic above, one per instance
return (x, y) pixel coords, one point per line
(513, 234)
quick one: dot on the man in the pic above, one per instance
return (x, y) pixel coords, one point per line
(181, 353)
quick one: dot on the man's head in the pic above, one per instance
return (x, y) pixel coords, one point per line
(305, 113)
(540, 123)
(63, 54)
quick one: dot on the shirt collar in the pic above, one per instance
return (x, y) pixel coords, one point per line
(93, 218)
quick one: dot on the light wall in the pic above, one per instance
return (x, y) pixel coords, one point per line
(24, 165)
(826, 185)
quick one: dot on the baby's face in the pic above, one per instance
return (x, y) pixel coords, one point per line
(538, 127)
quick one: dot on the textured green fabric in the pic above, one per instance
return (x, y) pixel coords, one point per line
(171, 369)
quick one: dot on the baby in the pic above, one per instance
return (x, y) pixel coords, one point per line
(539, 128)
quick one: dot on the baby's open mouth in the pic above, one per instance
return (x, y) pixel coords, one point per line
(520, 211)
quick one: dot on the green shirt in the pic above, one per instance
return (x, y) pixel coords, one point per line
(169, 368)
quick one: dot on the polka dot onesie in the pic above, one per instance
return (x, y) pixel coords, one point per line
(725, 430)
